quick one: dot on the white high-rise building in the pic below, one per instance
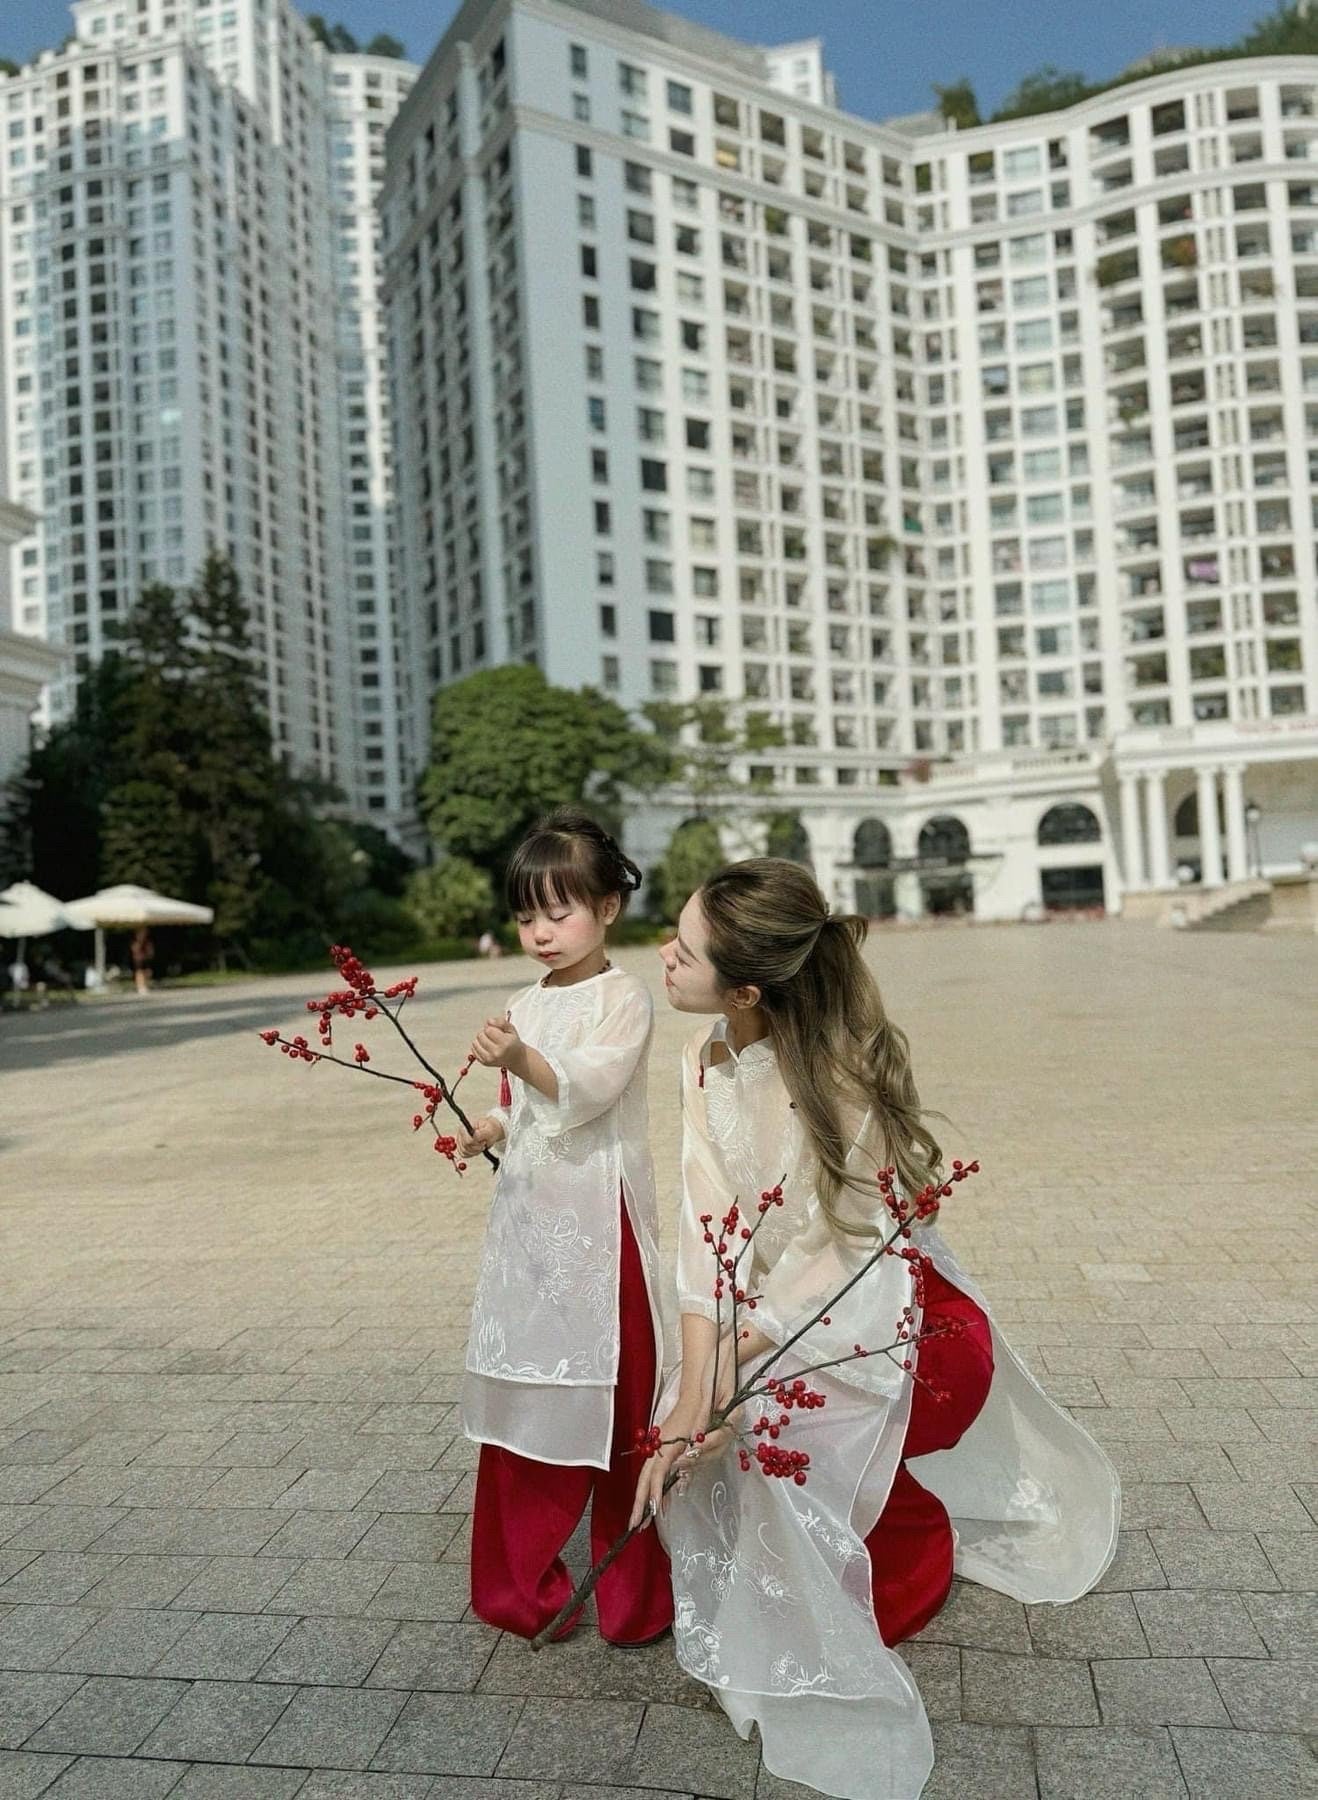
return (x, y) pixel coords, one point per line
(189, 355)
(979, 461)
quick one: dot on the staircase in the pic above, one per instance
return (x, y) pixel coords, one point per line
(1239, 906)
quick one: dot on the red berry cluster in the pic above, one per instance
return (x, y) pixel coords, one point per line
(649, 1441)
(448, 1146)
(782, 1464)
(360, 1054)
(297, 1049)
(795, 1394)
(926, 1203)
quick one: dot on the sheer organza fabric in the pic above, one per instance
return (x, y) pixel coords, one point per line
(772, 1581)
(542, 1355)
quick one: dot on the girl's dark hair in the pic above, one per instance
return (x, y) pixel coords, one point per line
(769, 927)
(568, 856)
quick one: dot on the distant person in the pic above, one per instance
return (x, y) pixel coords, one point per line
(488, 945)
(142, 953)
(19, 977)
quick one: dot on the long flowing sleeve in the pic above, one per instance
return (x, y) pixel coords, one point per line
(705, 1189)
(592, 1075)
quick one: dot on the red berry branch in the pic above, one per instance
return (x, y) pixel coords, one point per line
(362, 996)
(784, 1397)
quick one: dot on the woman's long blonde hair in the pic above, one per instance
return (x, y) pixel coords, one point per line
(769, 927)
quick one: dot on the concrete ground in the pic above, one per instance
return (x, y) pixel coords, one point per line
(234, 1499)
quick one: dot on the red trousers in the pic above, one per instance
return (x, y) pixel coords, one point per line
(526, 1511)
(910, 1548)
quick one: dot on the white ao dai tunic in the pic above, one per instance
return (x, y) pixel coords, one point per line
(772, 1581)
(542, 1356)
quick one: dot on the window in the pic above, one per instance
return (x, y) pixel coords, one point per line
(679, 97)
(584, 168)
(1017, 164)
(595, 412)
(663, 628)
(682, 142)
(589, 262)
(697, 434)
(654, 476)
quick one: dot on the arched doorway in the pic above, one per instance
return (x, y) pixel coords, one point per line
(871, 854)
(946, 884)
(1186, 849)
(787, 837)
(1073, 887)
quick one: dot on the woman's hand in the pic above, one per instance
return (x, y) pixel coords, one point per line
(498, 1045)
(689, 1420)
(484, 1135)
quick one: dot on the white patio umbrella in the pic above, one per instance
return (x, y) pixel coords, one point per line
(126, 907)
(29, 911)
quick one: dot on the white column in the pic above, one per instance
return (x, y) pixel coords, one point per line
(1132, 835)
(1155, 798)
(1210, 836)
(1233, 795)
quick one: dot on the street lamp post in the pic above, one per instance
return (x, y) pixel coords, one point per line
(1253, 813)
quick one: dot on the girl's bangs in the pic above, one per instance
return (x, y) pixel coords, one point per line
(540, 878)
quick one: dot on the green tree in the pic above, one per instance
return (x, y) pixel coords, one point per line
(1048, 89)
(957, 104)
(694, 852)
(146, 839)
(506, 746)
(7, 67)
(786, 836)
(383, 44)
(452, 899)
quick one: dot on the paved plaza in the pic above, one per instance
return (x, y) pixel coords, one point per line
(233, 1494)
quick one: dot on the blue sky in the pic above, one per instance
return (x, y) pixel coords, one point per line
(885, 53)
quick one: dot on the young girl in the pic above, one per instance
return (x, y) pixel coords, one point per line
(563, 1360)
(789, 1598)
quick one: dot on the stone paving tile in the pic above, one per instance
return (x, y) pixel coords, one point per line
(211, 1781)
(451, 1734)
(34, 1637)
(1015, 1690)
(1244, 1765)
(218, 1721)
(177, 1531)
(109, 1715)
(1268, 1696)
(146, 1581)
(318, 1534)
(1293, 1554)
(1112, 1762)
(579, 1740)
(1158, 1691)
(27, 1700)
(438, 1658)
(937, 1672)
(1213, 1559)
(1250, 1506)
(1097, 1625)
(411, 1490)
(1135, 1567)
(333, 1728)
(330, 1652)
(422, 1591)
(1199, 1623)
(982, 1762)
(331, 1587)
(1287, 1623)
(235, 1584)
(55, 1576)
(979, 1618)
(24, 1775)
(356, 1784)
(1145, 1504)
(224, 1647)
(115, 1778)
(124, 1642)
(63, 1527)
(691, 1751)
(585, 1667)
(408, 1537)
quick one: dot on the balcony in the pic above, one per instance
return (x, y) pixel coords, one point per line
(1202, 571)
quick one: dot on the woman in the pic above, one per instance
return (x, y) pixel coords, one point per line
(790, 1597)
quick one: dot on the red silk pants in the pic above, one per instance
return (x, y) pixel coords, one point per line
(911, 1547)
(526, 1511)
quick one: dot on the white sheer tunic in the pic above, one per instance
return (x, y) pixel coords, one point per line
(542, 1357)
(772, 1581)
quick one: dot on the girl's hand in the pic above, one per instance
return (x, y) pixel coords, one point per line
(484, 1135)
(498, 1046)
